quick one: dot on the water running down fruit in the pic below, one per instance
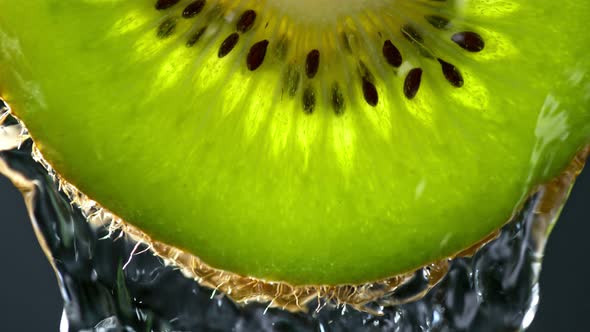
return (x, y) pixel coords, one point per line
(308, 142)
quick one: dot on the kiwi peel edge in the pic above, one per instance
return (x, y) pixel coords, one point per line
(278, 294)
(36, 120)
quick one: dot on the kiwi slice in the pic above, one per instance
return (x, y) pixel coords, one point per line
(303, 142)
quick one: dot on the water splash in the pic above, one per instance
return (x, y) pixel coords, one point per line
(111, 283)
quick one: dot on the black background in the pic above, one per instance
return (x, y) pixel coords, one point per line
(30, 299)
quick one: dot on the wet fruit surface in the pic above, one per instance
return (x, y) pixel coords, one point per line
(231, 132)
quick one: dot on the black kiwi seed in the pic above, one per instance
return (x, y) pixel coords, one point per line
(246, 21)
(451, 73)
(194, 38)
(228, 44)
(256, 55)
(308, 100)
(370, 92)
(469, 41)
(337, 99)
(312, 63)
(165, 4)
(392, 54)
(412, 83)
(193, 9)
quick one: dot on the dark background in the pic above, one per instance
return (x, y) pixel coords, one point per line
(30, 299)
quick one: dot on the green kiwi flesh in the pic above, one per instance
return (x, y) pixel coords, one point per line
(360, 141)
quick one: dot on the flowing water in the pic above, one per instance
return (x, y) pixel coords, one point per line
(111, 283)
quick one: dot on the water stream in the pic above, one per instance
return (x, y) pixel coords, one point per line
(111, 283)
